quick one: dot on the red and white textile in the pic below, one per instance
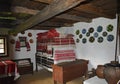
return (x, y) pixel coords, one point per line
(61, 48)
(28, 46)
(17, 46)
(8, 68)
(63, 55)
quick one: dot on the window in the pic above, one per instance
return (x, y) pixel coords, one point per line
(3, 45)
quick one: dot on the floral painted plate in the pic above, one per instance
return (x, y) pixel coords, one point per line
(91, 39)
(99, 29)
(104, 33)
(110, 28)
(100, 39)
(88, 34)
(80, 36)
(84, 31)
(84, 40)
(91, 30)
(77, 40)
(110, 38)
(77, 32)
(95, 34)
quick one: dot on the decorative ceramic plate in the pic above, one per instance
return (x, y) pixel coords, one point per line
(80, 36)
(77, 32)
(31, 40)
(12, 41)
(99, 29)
(104, 33)
(29, 34)
(110, 38)
(110, 28)
(95, 34)
(88, 34)
(91, 39)
(77, 40)
(100, 39)
(84, 31)
(23, 32)
(84, 40)
(91, 30)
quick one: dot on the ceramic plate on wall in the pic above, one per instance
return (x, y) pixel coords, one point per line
(23, 32)
(91, 30)
(80, 36)
(104, 33)
(88, 34)
(84, 40)
(12, 41)
(77, 32)
(110, 38)
(29, 34)
(83, 31)
(100, 39)
(99, 29)
(31, 40)
(91, 39)
(77, 40)
(110, 28)
(95, 34)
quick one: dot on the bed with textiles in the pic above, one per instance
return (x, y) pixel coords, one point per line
(56, 47)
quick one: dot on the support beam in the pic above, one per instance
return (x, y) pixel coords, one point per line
(18, 9)
(89, 8)
(51, 24)
(73, 17)
(56, 7)
(86, 8)
(4, 30)
(44, 1)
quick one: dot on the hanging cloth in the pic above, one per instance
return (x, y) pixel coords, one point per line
(17, 46)
(28, 46)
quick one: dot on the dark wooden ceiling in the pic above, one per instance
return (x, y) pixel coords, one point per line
(20, 15)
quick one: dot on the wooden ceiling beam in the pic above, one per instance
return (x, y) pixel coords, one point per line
(89, 8)
(55, 8)
(51, 24)
(44, 1)
(18, 9)
(4, 30)
(73, 17)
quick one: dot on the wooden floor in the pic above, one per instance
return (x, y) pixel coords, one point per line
(42, 77)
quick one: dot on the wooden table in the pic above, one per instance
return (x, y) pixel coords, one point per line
(68, 71)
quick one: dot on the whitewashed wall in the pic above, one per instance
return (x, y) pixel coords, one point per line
(96, 53)
(23, 53)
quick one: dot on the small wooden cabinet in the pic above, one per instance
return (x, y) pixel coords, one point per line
(25, 66)
(68, 71)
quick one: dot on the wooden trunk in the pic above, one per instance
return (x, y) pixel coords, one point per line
(68, 71)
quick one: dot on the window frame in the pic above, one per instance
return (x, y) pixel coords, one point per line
(5, 38)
